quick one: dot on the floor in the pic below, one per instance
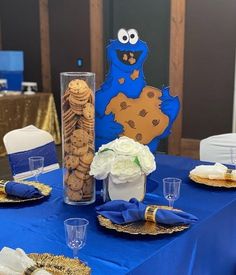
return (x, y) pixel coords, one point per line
(5, 172)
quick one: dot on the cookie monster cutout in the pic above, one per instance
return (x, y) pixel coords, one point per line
(125, 105)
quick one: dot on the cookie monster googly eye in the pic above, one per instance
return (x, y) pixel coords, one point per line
(123, 36)
(133, 36)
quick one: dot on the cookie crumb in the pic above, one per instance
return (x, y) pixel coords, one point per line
(132, 60)
(121, 80)
(125, 57)
(135, 74)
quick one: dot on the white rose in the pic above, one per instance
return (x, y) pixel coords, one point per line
(108, 145)
(124, 169)
(146, 160)
(126, 146)
(101, 164)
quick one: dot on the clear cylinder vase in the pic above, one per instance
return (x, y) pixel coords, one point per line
(124, 191)
(77, 109)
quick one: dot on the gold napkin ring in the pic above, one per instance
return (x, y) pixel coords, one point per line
(150, 213)
(3, 186)
(30, 270)
(151, 210)
(228, 174)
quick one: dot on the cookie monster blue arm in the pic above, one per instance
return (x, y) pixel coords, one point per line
(106, 128)
(170, 106)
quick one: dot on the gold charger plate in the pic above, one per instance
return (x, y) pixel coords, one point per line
(60, 265)
(214, 183)
(43, 188)
(141, 227)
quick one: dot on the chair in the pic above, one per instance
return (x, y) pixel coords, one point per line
(29, 141)
(218, 148)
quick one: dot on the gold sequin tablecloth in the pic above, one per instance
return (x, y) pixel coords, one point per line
(17, 111)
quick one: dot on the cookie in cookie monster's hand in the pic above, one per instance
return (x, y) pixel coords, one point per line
(141, 118)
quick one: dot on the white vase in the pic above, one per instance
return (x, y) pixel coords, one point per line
(124, 191)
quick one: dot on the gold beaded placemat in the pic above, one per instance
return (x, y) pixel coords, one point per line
(141, 227)
(60, 265)
(214, 183)
(43, 188)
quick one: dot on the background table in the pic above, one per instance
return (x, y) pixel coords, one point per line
(206, 248)
(17, 111)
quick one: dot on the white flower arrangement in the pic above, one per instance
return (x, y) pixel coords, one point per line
(124, 159)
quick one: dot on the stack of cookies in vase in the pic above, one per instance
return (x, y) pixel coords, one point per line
(78, 132)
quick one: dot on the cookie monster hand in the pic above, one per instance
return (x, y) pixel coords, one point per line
(107, 128)
(170, 105)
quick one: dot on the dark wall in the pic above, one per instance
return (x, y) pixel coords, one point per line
(151, 18)
(69, 33)
(20, 31)
(209, 67)
(69, 39)
(209, 49)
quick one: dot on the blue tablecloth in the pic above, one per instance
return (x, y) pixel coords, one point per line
(207, 248)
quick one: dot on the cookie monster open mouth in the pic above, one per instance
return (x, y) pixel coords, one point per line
(128, 57)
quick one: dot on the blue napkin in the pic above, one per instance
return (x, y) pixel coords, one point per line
(21, 190)
(121, 212)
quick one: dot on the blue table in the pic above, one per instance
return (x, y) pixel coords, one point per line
(207, 248)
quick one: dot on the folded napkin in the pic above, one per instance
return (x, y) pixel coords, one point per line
(21, 190)
(121, 212)
(16, 262)
(216, 171)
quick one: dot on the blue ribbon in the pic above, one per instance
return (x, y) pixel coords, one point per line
(19, 161)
